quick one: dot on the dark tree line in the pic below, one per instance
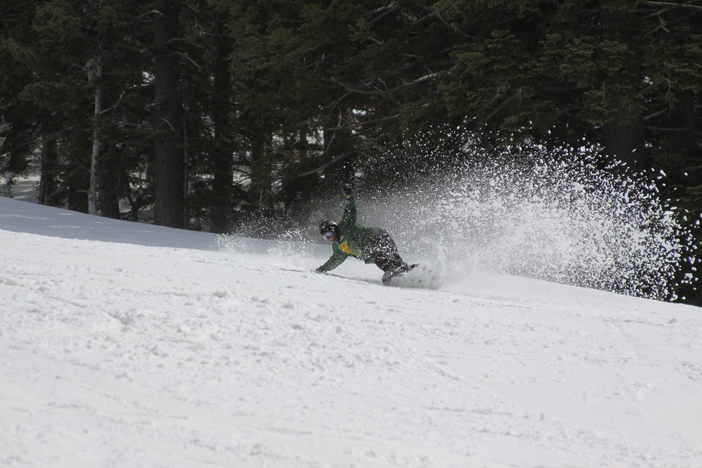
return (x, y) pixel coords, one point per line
(203, 112)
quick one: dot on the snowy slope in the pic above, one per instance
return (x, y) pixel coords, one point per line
(131, 345)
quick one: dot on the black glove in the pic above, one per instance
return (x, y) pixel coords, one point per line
(319, 270)
(347, 190)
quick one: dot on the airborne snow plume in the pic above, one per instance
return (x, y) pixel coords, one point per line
(560, 214)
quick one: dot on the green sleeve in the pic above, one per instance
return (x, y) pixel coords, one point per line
(349, 217)
(334, 261)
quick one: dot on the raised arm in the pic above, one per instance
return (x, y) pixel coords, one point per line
(350, 209)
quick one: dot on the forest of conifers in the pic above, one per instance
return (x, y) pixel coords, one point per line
(202, 113)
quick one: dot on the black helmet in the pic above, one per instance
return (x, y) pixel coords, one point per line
(328, 227)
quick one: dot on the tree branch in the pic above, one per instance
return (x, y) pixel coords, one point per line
(386, 92)
(674, 5)
(669, 129)
(327, 164)
(384, 11)
(504, 103)
(364, 123)
(655, 114)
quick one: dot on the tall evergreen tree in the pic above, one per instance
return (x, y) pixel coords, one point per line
(222, 159)
(169, 167)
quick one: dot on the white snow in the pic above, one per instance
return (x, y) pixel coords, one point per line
(127, 345)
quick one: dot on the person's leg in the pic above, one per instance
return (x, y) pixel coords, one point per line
(387, 258)
(385, 253)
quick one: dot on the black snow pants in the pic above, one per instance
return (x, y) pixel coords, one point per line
(385, 254)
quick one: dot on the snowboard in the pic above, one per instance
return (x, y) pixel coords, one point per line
(418, 276)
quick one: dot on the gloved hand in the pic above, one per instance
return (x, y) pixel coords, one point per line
(319, 270)
(347, 190)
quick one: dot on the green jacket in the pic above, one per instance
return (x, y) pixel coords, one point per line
(356, 240)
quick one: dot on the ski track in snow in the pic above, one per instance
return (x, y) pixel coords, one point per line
(122, 348)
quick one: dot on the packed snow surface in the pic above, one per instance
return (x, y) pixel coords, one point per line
(132, 345)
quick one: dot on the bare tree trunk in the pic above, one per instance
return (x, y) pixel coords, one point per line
(261, 173)
(625, 131)
(684, 117)
(94, 77)
(169, 167)
(47, 180)
(222, 162)
(623, 136)
(185, 154)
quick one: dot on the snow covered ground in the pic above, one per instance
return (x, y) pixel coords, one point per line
(132, 345)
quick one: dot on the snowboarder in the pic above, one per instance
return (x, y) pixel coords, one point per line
(370, 244)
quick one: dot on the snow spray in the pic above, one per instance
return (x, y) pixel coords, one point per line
(562, 214)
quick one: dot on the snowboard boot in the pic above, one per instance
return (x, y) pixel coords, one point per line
(390, 274)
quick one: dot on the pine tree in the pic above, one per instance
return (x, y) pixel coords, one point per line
(168, 165)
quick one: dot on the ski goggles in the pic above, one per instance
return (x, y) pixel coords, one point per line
(329, 235)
